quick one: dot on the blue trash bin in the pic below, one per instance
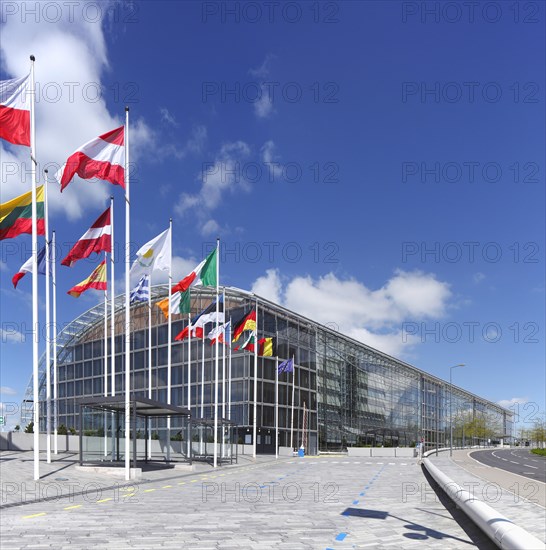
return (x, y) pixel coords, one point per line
(301, 452)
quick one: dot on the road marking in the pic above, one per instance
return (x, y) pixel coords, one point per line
(194, 480)
(529, 466)
(514, 462)
(529, 473)
(166, 486)
(341, 536)
(128, 495)
(104, 500)
(73, 507)
(181, 483)
(34, 515)
(149, 490)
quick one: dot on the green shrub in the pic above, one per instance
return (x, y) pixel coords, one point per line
(30, 428)
(540, 452)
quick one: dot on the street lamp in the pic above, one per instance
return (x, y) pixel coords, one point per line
(451, 407)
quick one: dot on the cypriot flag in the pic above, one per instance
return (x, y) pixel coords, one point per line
(154, 255)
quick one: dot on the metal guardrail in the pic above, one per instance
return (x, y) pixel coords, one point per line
(501, 530)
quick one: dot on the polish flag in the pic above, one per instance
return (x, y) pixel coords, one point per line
(102, 158)
(97, 238)
(15, 110)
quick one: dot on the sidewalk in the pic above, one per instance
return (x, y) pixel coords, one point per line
(520, 499)
(311, 503)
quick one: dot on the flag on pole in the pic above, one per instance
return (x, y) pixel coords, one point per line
(16, 215)
(248, 345)
(154, 255)
(27, 267)
(208, 315)
(180, 303)
(102, 158)
(248, 323)
(286, 366)
(222, 332)
(266, 347)
(98, 238)
(204, 274)
(141, 292)
(15, 101)
(96, 280)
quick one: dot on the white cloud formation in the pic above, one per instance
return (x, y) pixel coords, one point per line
(478, 277)
(167, 117)
(221, 176)
(263, 106)
(507, 403)
(6, 390)
(371, 316)
(71, 60)
(11, 336)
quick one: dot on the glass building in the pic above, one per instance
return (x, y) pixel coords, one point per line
(342, 392)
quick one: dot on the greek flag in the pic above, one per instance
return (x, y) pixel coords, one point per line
(141, 292)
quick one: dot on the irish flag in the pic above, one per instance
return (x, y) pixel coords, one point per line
(180, 303)
(96, 280)
(15, 110)
(16, 215)
(96, 239)
(102, 158)
(204, 274)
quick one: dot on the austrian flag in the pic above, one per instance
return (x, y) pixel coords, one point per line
(97, 238)
(102, 158)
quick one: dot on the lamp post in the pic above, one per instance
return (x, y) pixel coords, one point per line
(451, 407)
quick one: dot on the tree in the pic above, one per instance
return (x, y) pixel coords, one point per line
(30, 428)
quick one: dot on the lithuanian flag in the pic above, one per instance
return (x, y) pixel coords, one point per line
(96, 280)
(16, 215)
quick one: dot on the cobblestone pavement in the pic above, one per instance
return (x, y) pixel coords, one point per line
(296, 503)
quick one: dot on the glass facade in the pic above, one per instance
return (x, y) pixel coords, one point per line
(342, 392)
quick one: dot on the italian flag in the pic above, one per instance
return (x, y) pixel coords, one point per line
(16, 215)
(15, 110)
(96, 280)
(204, 274)
(102, 158)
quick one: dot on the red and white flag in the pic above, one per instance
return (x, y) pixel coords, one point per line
(102, 158)
(15, 110)
(97, 238)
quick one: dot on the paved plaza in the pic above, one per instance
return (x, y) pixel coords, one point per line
(313, 503)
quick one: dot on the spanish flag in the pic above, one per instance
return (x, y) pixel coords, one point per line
(248, 323)
(16, 215)
(96, 280)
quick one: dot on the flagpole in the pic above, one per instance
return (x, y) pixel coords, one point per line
(215, 460)
(112, 305)
(54, 288)
(277, 407)
(202, 390)
(292, 415)
(223, 371)
(150, 361)
(48, 328)
(189, 376)
(105, 352)
(169, 338)
(229, 368)
(36, 396)
(255, 419)
(127, 304)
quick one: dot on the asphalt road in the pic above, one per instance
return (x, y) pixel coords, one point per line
(517, 461)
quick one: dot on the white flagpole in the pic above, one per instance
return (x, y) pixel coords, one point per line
(292, 415)
(169, 338)
(229, 367)
(277, 407)
(48, 328)
(127, 305)
(202, 389)
(215, 460)
(189, 376)
(150, 361)
(105, 354)
(54, 288)
(36, 395)
(223, 362)
(255, 419)
(112, 309)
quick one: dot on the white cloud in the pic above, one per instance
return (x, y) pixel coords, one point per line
(6, 390)
(478, 277)
(263, 106)
(271, 160)
(167, 117)
(70, 108)
(221, 176)
(507, 403)
(211, 227)
(371, 316)
(11, 336)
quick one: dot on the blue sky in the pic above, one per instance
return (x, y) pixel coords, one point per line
(368, 165)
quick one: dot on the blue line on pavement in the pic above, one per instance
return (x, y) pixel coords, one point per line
(341, 536)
